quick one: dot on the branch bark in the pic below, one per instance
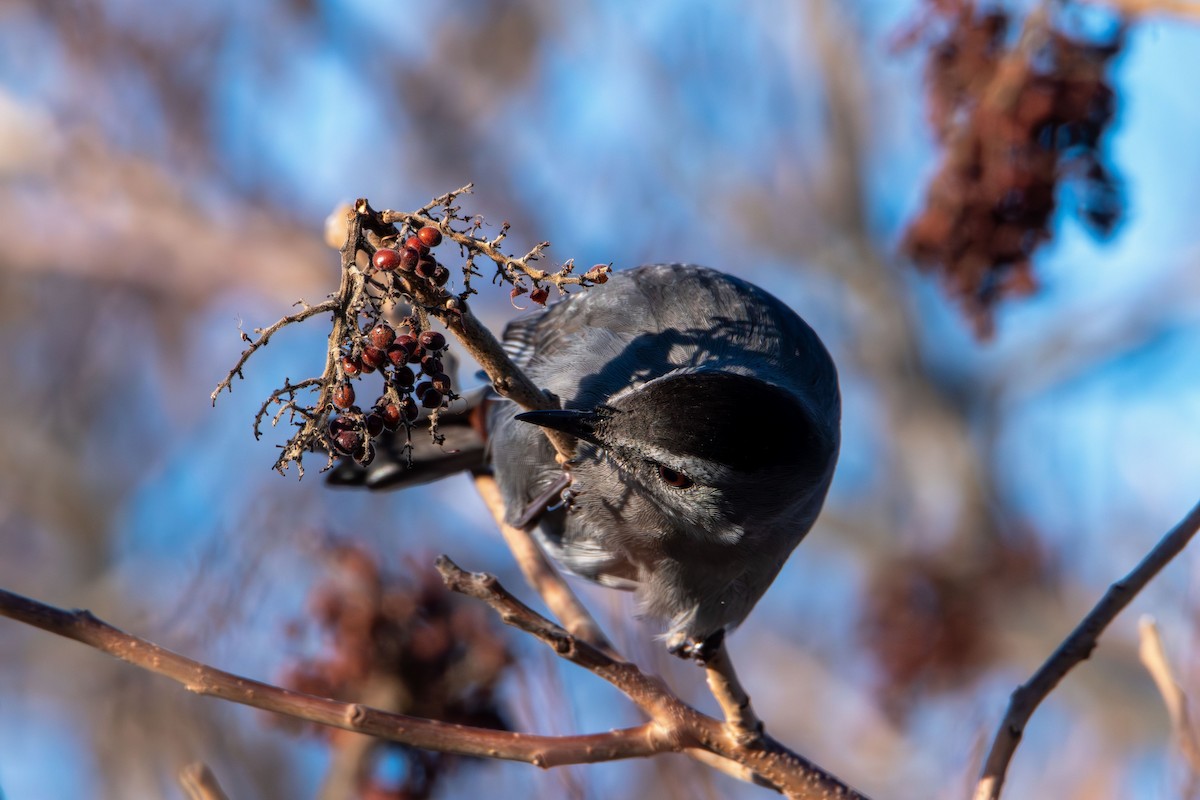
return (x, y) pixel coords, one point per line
(1074, 649)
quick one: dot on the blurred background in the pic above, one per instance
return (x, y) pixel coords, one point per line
(165, 174)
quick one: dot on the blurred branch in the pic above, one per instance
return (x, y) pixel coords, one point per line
(764, 759)
(199, 782)
(540, 575)
(1154, 658)
(1185, 9)
(1075, 648)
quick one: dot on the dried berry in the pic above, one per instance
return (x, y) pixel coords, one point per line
(389, 413)
(409, 259)
(366, 458)
(403, 377)
(441, 382)
(539, 295)
(374, 357)
(417, 355)
(431, 365)
(339, 424)
(374, 424)
(415, 243)
(408, 407)
(441, 276)
(382, 336)
(598, 274)
(386, 259)
(432, 340)
(343, 396)
(430, 236)
(351, 366)
(348, 442)
(432, 398)
(427, 266)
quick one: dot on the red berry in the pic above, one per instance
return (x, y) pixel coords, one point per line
(389, 413)
(409, 409)
(339, 424)
(441, 276)
(386, 259)
(432, 340)
(539, 295)
(403, 377)
(415, 243)
(417, 354)
(409, 259)
(373, 357)
(441, 382)
(427, 266)
(432, 398)
(366, 458)
(382, 335)
(430, 236)
(431, 365)
(351, 366)
(343, 396)
(373, 424)
(347, 442)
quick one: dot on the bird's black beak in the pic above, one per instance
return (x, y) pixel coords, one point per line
(580, 424)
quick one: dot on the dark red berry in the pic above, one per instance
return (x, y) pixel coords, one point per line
(430, 236)
(409, 408)
(403, 377)
(441, 276)
(409, 259)
(432, 340)
(374, 357)
(386, 259)
(441, 382)
(351, 366)
(339, 424)
(382, 335)
(373, 424)
(431, 365)
(539, 295)
(422, 388)
(432, 398)
(343, 396)
(599, 273)
(366, 458)
(415, 243)
(426, 267)
(347, 442)
(389, 413)
(417, 355)
(397, 355)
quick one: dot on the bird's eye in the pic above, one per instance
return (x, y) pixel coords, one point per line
(672, 478)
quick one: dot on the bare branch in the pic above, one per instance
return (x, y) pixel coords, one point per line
(199, 782)
(1075, 648)
(542, 751)
(744, 724)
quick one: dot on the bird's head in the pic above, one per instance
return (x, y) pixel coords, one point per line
(715, 453)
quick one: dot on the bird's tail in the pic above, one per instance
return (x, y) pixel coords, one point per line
(402, 461)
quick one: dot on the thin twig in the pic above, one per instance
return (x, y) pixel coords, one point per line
(723, 682)
(1075, 648)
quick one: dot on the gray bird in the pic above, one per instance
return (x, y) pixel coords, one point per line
(707, 418)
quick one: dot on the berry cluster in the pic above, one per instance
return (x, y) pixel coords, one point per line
(1017, 116)
(400, 360)
(388, 270)
(400, 639)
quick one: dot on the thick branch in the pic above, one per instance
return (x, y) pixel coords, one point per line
(1075, 648)
(542, 751)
